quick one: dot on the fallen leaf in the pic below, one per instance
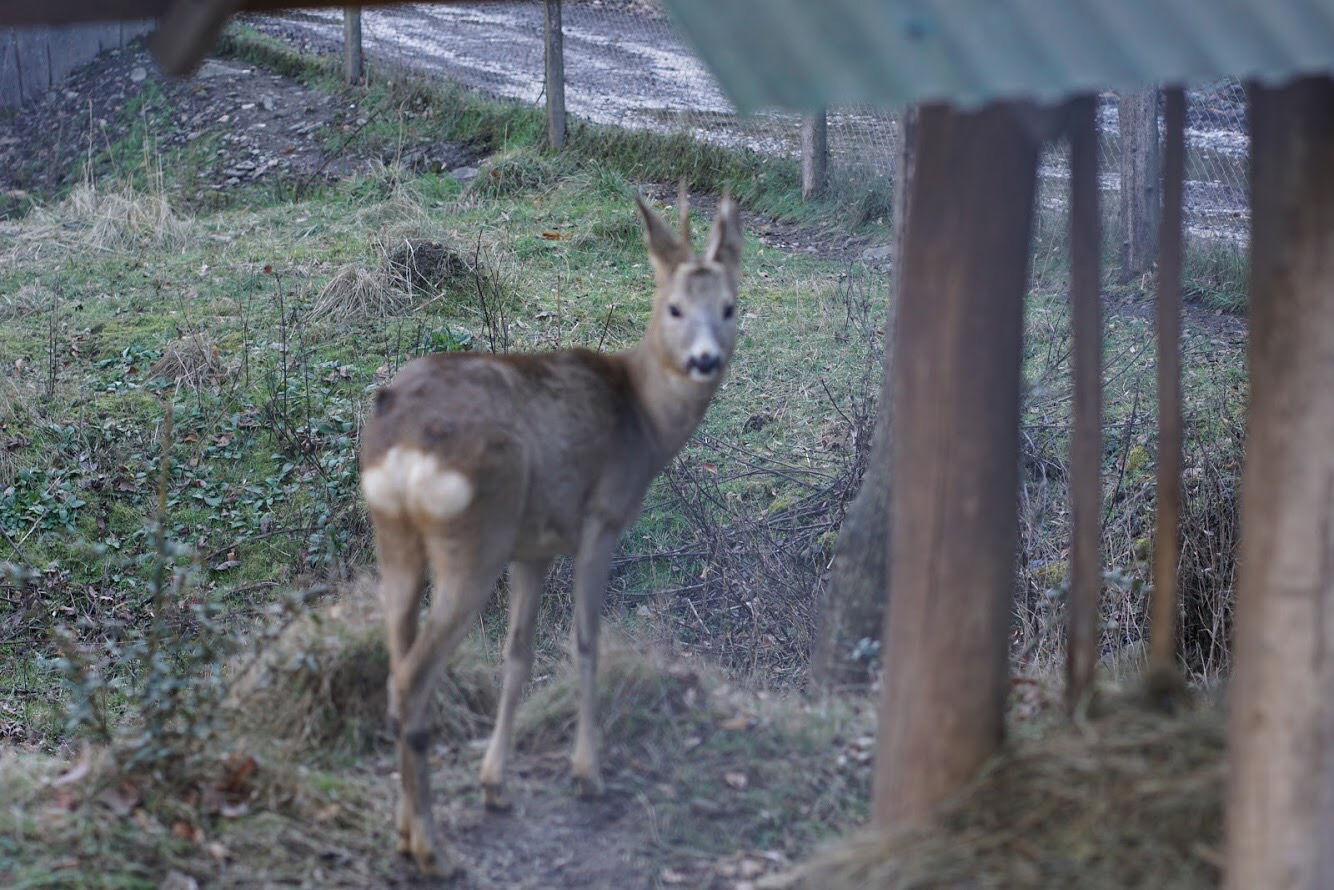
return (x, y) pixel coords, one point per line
(669, 876)
(187, 832)
(553, 236)
(739, 722)
(239, 770)
(736, 780)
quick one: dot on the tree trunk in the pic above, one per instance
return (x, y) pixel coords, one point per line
(1140, 171)
(1280, 810)
(853, 616)
(955, 465)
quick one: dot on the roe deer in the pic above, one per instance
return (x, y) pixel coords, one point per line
(470, 461)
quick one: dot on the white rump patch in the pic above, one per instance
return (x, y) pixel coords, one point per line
(407, 480)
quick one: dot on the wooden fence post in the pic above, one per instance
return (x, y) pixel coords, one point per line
(352, 58)
(1280, 802)
(555, 74)
(1086, 441)
(1167, 538)
(814, 154)
(954, 476)
(1140, 170)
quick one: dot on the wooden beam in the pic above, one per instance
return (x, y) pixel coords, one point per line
(1280, 804)
(66, 12)
(1167, 542)
(954, 476)
(1086, 441)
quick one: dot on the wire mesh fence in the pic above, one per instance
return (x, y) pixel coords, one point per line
(626, 65)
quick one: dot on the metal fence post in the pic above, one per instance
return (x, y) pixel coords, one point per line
(352, 64)
(555, 74)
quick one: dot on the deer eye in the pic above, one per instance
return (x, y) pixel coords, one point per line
(675, 310)
(729, 310)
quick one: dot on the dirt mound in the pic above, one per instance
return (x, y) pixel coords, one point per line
(1133, 799)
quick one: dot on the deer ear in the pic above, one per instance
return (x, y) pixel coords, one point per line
(726, 240)
(665, 250)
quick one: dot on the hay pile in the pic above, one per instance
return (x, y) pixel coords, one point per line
(1132, 799)
(193, 360)
(319, 687)
(414, 269)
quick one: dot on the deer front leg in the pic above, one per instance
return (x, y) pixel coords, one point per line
(592, 564)
(526, 582)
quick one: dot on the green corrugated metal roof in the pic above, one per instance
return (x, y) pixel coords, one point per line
(811, 53)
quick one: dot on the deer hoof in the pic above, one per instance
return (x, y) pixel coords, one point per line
(495, 799)
(431, 865)
(588, 787)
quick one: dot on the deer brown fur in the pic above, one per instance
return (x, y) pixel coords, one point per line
(474, 461)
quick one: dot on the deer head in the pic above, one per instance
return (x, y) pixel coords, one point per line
(693, 327)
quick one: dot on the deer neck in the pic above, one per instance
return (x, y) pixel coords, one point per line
(671, 403)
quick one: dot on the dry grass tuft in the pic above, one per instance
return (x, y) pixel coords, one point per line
(356, 292)
(116, 217)
(27, 300)
(1131, 799)
(193, 360)
(640, 692)
(319, 688)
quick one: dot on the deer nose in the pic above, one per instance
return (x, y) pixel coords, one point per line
(705, 362)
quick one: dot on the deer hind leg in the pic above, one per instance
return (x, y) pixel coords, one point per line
(463, 576)
(526, 582)
(592, 565)
(402, 564)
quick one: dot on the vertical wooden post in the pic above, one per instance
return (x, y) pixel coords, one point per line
(1140, 170)
(1166, 544)
(555, 74)
(814, 154)
(954, 475)
(1280, 807)
(352, 64)
(1086, 441)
